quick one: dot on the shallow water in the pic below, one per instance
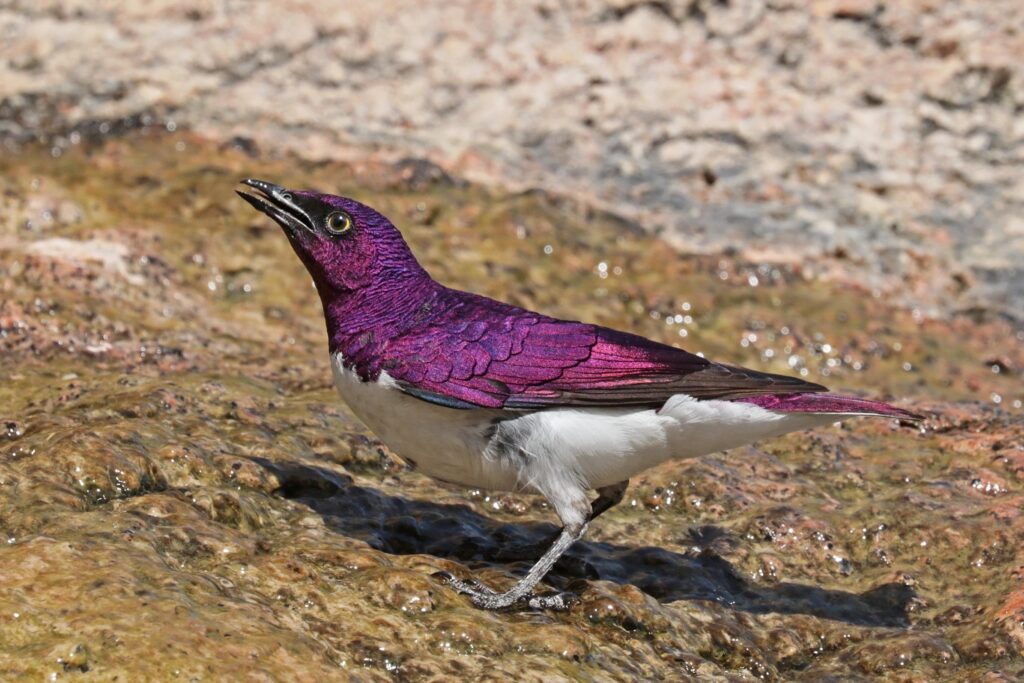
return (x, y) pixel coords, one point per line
(182, 494)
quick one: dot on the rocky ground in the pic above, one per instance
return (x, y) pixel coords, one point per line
(830, 189)
(182, 495)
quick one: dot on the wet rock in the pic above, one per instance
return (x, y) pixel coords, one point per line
(886, 656)
(409, 592)
(177, 477)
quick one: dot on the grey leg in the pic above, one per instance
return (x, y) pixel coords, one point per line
(488, 599)
(482, 596)
(607, 498)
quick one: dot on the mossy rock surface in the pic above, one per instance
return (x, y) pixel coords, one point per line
(183, 496)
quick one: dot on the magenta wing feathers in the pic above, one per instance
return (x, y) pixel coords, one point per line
(480, 353)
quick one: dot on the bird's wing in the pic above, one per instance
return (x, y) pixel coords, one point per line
(482, 356)
(624, 369)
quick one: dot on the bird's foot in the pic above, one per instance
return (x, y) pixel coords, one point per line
(469, 587)
(486, 598)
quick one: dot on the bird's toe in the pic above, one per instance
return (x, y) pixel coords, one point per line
(479, 587)
(471, 587)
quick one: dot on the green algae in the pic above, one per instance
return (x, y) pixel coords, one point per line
(181, 494)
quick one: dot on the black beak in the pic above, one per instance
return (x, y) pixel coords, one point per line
(278, 203)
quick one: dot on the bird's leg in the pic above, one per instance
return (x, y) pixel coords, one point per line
(576, 514)
(488, 599)
(607, 498)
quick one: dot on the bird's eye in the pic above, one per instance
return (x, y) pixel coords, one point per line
(338, 223)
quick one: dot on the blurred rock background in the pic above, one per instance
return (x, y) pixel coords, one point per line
(880, 142)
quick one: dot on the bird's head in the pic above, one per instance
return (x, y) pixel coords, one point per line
(345, 245)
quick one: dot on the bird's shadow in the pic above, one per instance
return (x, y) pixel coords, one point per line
(400, 526)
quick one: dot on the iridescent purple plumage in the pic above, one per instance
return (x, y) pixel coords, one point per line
(385, 313)
(468, 351)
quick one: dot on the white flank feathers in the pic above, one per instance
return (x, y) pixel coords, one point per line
(561, 453)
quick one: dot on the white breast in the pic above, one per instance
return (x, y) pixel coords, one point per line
(444, 443)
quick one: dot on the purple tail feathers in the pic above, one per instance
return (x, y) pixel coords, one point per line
(829, 404)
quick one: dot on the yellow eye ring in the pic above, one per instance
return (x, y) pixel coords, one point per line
(338, 223)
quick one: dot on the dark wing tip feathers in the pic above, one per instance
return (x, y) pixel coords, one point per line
(740, 382)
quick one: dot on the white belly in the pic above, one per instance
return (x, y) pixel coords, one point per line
(556, 448)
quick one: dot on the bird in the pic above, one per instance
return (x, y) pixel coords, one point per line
(484, 394)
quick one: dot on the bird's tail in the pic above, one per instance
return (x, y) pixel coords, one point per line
(829, 404)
